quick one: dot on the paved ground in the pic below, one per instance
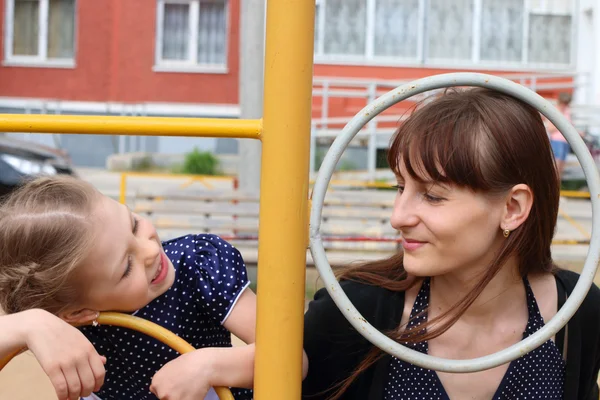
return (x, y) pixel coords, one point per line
(23, 379)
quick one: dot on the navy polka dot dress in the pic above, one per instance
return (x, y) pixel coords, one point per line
(537, 375)
(210, 275)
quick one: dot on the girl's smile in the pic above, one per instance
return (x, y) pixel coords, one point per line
(163, 269)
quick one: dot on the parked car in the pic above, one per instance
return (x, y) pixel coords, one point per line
(20, 159)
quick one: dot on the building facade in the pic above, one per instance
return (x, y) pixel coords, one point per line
(181, 57)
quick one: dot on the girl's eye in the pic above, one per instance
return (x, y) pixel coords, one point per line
(134, 229)
(135, 225)
(128, 268)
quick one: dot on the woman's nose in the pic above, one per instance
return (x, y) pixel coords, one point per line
(404, 212)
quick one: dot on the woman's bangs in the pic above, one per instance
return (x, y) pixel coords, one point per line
(439, 144)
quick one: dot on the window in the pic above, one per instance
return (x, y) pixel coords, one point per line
(396, 28)
(491, 33)
(366, 29)
(346, 32)
(192, 35)
(502, 23)
(550, 31)
(454, 19)
(40, 32)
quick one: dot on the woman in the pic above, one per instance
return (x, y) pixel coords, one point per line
(477, 205)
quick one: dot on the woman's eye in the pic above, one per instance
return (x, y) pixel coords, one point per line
(433, 199)
(399, 188)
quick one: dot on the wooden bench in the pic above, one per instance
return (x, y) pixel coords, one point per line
(347, 216)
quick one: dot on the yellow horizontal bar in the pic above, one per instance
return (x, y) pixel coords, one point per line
(167, 175)
(357, 183)
(568, 242)
(575, 193)
(139, 126)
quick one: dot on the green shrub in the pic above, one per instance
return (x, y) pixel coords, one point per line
(343, 165)
(200, 163)
(573, 184)
(144, 164)
(346, 165)
(381, 160)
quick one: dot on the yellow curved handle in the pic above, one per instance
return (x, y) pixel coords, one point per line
(149, 328)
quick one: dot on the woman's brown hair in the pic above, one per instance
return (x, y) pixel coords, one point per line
(44, 236)
(485, 141)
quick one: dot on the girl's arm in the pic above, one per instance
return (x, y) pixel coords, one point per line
(12, 339)
(191, 375)
(242, 323)
(66, 356)
(242, 319)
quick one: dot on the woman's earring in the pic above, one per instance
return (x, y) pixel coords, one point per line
(506, 233)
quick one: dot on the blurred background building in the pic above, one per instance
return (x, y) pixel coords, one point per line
(181, 58)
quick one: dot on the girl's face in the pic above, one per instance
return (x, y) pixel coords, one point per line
(445, 228)
(127, 267)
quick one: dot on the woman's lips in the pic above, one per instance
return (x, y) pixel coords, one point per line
(412, 244)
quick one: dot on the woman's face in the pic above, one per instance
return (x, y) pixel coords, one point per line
(446, 228)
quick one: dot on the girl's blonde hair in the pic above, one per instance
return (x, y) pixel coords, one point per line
(45, 234)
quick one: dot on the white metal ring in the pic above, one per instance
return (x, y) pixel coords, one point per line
(332, 285)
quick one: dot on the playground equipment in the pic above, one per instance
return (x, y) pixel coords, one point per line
(284, 132)
(285, 135)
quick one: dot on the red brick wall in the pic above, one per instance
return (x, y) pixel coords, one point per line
(88, 81)
(115, 53)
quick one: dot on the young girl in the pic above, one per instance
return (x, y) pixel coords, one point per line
(67, 249)
(476, 206)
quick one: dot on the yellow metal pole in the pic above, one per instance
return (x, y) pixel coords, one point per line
(283, 229)
(123, 189)
(148, 126)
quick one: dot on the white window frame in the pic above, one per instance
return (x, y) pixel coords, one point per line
(543, 10)
(421, 60)
(41, 59)
(191, 64)
(368, 57)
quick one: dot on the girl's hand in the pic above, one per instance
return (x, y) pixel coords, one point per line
(68, 358)
(190, 376)
(185, 378)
